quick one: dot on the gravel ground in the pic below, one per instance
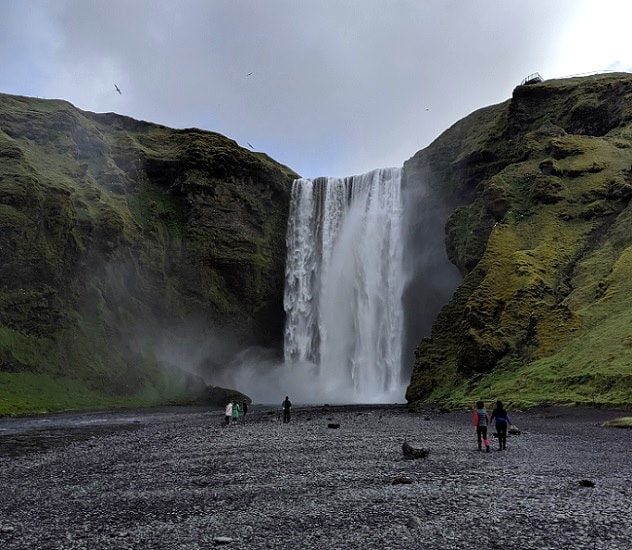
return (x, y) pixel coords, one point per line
(178, 479)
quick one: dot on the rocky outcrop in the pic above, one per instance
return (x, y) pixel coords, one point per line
(128, 247)
(218, 396)
(536, 195)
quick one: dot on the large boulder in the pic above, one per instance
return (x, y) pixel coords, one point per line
(217, 396)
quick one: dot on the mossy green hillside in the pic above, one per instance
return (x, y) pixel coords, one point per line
(623, 422)
(29, 393)
(120, 239)
(541, 229)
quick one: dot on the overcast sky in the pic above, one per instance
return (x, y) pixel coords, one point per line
(338, 87)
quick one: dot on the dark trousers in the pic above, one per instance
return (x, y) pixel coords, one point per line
(286, 416)
(481, 433)
(501, 428)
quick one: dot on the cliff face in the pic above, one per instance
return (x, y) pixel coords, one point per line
(540, 226)
(125, 244)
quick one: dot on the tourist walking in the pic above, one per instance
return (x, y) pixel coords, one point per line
(502, 420)
(235, 411)
(481, 421)
(287, 407)
(244, 408)
(228, 413)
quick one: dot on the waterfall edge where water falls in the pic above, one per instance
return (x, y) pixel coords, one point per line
(344, 286)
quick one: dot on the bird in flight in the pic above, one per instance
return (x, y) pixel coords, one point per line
(250, 145)
(118, 89)
(249, 74)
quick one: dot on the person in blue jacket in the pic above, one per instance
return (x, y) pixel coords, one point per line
(502, 421)
(481, 421)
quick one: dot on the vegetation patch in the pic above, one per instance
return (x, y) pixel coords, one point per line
(623, 422)
(28, 393)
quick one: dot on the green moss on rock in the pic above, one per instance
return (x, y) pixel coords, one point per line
(541, 231)
(116, 231)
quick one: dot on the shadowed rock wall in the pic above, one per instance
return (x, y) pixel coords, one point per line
(125, 244)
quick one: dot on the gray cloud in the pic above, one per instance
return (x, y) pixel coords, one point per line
(338, 87)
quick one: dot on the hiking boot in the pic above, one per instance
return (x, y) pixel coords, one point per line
(487, 447)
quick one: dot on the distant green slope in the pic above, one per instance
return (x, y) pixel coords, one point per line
(125, 248)
(541, 229)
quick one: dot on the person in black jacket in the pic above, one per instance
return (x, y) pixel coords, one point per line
(502, 420)
(287, 406)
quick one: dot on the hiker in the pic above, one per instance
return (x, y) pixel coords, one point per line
(481, 421)
(502, 420)
(235, 411)
(244, 407)
(228, 413)
(287, 406)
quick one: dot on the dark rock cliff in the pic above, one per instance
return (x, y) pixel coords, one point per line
(127, 245)
(534, 197)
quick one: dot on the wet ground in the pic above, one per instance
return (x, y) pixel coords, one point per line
(179, 479)
(25, 434)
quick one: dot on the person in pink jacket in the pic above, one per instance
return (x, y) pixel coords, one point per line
(481, 421)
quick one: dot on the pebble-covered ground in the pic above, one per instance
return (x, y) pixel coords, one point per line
(181, 480)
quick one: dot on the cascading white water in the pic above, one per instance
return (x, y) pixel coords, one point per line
(344, 284)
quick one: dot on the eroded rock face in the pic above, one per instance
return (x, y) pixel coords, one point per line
(125, 244)
(536, 191)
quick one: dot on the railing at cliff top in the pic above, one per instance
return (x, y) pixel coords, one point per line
(533, 78)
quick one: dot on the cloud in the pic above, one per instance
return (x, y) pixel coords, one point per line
(338, 87)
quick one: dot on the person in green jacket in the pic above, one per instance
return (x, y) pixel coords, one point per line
(235, 411)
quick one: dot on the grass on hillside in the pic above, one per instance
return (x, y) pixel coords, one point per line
(592, 369)
(622, 422)
(36, 393)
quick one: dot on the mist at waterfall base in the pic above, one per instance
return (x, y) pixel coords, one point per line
(267, 379)
(356, 305)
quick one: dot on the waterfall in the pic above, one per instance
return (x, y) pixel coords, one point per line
(344, 284)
